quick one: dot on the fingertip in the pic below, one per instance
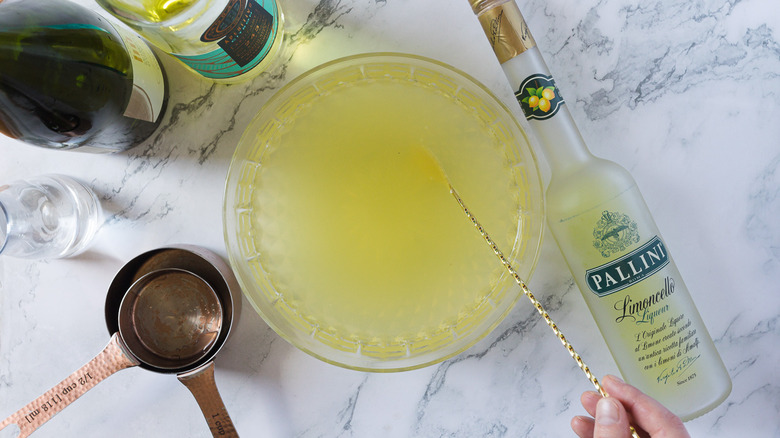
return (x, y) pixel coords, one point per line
(607, 412)
(589, 396)
(589, 400)
(647, 413)
(616, 387)
(582, 426)
(615, 378)
(611, 419)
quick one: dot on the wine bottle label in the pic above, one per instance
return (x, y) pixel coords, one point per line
(244, 32)
(146, 100)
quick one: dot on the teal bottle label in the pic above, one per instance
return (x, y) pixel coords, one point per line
(244, 33)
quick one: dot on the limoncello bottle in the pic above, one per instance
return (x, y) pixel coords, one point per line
(223, 40)
(609, 240)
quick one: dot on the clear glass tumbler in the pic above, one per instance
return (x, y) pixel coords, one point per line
(47, 216)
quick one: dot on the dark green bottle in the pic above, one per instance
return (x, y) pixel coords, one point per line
(69, 79)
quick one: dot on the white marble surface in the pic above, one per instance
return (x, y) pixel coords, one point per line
(683, 93)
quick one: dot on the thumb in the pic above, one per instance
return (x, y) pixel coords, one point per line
(611, 419)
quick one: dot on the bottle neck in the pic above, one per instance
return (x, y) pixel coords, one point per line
(535, 89)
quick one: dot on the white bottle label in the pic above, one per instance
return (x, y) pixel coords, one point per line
(146, 100)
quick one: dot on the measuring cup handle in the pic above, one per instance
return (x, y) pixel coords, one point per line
(112, 359)
(202, 385)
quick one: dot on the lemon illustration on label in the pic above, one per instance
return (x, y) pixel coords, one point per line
(538, 97)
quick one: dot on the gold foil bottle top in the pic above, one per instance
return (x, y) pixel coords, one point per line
(479, 5)
(504, 27)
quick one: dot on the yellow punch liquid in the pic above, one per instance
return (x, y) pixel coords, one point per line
(354, 226)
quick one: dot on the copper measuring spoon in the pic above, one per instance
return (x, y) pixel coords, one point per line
(150, 329)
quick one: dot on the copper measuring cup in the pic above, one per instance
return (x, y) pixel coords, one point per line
(140, 337)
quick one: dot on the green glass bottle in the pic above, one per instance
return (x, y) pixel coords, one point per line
(69, 79)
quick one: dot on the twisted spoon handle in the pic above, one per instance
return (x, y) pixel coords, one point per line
(534, 301)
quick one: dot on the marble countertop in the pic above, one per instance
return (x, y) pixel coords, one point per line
(686, 95)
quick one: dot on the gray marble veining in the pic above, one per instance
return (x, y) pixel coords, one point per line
(685, 94)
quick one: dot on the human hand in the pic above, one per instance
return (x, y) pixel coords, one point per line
(625, 405)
